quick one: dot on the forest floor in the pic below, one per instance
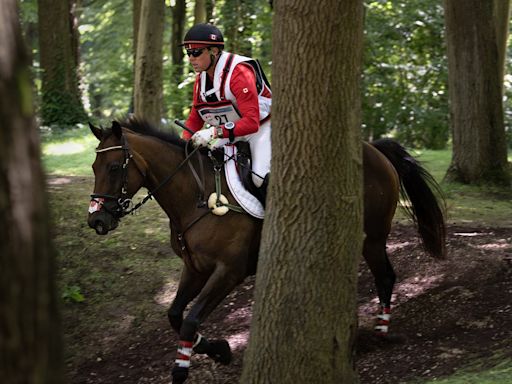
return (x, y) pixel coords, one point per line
(448, 315)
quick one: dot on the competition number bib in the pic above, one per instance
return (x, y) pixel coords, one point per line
(218, 114)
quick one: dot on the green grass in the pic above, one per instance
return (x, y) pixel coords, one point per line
(497, 370)
(69, 153)
(469, 204)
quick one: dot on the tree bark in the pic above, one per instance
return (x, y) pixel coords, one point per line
(30, 343)
(200, 11)
(148, 69)
(136, 22)
(476, 34)
(178, 25)
(58, 42)
(501, 21)
(304, 318)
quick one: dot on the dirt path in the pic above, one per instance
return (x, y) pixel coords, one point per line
(446, 314)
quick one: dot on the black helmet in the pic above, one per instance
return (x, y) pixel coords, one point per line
(206, 34)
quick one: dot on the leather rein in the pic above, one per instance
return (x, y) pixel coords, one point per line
(123, 203)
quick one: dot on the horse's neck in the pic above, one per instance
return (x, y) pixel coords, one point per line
(178, 197)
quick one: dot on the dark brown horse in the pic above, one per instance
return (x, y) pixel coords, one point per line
(219, 252)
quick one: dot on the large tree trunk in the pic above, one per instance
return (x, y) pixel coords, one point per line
(58, 42)
(148, 69)
(476, 35)
(30, 344)
(304, 318)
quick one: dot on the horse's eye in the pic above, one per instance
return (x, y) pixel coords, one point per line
(114, 167)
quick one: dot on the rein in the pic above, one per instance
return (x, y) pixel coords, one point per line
(165, 181)
(123, 204)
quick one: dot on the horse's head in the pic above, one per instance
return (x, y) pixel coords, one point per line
(117, 179)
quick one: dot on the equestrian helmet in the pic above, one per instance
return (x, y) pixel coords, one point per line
(203, 34)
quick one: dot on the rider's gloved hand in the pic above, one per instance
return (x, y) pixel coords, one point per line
(203, 137)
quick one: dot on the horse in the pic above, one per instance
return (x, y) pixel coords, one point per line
(219, 252)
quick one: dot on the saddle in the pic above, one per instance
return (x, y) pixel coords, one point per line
(236, 161)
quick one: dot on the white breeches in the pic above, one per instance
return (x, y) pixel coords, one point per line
(260, 152)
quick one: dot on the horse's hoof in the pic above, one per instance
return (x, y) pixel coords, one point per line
(220, 351)
(179, 375)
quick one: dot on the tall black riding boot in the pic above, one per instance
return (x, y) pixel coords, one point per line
(262, 191)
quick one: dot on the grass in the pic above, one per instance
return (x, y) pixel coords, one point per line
(469, 204)
(497, 370)
(69, 153)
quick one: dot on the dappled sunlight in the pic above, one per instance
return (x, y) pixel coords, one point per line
(416, 286)
(59, 180)
(238, 340)
(166, 294)
(404, 291)
(67, 148)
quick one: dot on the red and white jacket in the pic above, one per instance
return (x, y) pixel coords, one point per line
(242, 96)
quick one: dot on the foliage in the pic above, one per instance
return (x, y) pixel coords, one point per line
(405, 75)
(72, 294)
(405, 68)
(107, 56)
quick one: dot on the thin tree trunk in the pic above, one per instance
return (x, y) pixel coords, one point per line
(30, 341)
(148, 70)
(304, 318)
(501, 21)
(200, 11)
(475, 69)
(178, 25)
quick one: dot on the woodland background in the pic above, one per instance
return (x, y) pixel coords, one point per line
(405, 65)
(435, 76)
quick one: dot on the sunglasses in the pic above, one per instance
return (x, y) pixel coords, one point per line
(195, 52)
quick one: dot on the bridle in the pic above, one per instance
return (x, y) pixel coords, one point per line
(123, 204)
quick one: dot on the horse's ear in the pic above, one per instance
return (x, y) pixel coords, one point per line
(98, 132)
(117, 129)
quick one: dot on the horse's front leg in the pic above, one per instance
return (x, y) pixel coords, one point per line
(189, 287)
(218, 286)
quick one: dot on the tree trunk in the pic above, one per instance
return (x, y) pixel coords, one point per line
(30, 344)
(58, 42)
(200, 12)
(304, 318)
(178, 25)
(210, 10)
(135, 22)
(238, 25)
(501, 21)
(148, 69)
(476, 43)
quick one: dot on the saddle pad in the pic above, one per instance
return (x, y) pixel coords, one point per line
(244, 198)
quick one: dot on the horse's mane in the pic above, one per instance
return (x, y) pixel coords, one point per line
(145, 128)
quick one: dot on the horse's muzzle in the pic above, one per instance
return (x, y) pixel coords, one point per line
(102, 222)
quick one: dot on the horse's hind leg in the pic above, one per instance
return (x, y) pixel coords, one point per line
(374, 252)
(218, 286)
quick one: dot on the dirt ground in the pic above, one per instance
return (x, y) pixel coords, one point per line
(446, 315)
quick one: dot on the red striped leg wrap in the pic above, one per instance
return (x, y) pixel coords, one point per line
(183, 354)
(383, 318)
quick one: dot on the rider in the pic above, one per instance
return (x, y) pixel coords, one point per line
(231, 95)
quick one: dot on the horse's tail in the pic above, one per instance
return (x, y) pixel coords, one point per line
(419, 188)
